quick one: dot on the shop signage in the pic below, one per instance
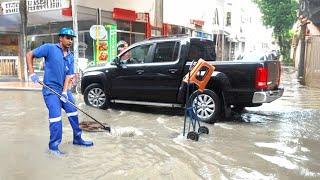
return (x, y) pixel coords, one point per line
(112, 41)
(142, 17)
(197, 22)
(124, 14)
(12, 7)
(105, 49)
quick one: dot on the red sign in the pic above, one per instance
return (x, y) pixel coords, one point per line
(197, 22)
(124, 14)
(67, 11)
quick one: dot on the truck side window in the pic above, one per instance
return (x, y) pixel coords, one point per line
(194, 53)
(166, 51)
(136, 55)
(204, 50)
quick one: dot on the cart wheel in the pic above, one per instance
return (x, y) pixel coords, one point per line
(193, 136)
(203, 130)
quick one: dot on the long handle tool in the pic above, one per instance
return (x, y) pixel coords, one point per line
(107, 128)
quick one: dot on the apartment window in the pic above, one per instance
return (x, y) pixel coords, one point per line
(228, 20)
(216, 17)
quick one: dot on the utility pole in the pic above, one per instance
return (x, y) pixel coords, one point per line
(75, 29)
(22, 71)
(158, 14)
(222, 43)
(301, 73)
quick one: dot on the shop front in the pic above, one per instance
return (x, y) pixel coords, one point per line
(171, 29)
(9, 55)
(43, 27)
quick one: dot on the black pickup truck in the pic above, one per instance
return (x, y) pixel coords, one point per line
(152, 71)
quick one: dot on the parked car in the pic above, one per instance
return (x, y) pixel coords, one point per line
(152, 71)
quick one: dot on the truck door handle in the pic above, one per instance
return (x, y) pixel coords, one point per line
(140, 72)
(172, 71)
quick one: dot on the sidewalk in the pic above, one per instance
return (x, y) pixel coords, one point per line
(24, 86)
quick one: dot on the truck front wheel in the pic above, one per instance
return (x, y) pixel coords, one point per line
(95, 96)
(207, 105)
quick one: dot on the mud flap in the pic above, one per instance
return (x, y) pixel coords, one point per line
(226, 108)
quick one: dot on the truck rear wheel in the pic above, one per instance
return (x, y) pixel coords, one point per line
(95, 96)
(207, 105)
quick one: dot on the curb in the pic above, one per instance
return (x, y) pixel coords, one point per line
(18, 89)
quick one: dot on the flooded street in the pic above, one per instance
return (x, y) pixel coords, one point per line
(279, 140)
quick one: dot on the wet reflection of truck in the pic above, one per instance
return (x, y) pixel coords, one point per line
(152, 71)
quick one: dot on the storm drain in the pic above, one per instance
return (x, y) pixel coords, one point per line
(91, 126)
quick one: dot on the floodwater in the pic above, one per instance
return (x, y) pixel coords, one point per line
(279, 140)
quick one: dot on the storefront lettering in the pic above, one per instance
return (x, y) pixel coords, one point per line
(32, 6)
(41, 5)
(10, 7)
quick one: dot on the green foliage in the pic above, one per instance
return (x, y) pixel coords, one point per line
(280, 15)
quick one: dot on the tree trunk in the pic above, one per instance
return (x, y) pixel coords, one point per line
(22, 73)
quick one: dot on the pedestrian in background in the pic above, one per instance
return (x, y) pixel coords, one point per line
(121, 46)
(58, 74)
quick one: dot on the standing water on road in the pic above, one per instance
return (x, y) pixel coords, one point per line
(279, 140)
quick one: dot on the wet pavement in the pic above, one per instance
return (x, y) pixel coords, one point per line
(279, 140)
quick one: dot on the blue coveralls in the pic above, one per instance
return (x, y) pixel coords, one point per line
(56, 68)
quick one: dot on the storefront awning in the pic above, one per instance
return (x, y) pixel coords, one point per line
(11, 22)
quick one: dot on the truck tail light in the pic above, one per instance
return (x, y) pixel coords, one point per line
(261, 78)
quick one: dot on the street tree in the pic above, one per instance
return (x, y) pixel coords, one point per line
(280, 15)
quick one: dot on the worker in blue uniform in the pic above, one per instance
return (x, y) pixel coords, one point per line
(58, 74)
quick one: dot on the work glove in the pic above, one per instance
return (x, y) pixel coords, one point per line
(34, 78)
(64, 97)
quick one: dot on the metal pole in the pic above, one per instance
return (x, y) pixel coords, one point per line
(99, 16)
(222, 48)
(23, 74)
(76, 39)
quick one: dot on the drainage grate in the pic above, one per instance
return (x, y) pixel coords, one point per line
(91, 126)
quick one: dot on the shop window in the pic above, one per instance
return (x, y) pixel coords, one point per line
(123, 25)
(9, 45)
(38, 29)
(122, 36)
(228, 21)
(137, 38)
(166, 52)
(85, 25)
(89, 42)
(138, 27)
(36, 41)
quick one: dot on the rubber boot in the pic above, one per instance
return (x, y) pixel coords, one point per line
(56, 152)
(55, 135)
(77, 140)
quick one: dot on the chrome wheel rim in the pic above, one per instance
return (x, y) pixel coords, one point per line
(204, 106)
(96, 97)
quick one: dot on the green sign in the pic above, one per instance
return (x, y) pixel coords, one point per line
(112, 41)
(106, 50)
